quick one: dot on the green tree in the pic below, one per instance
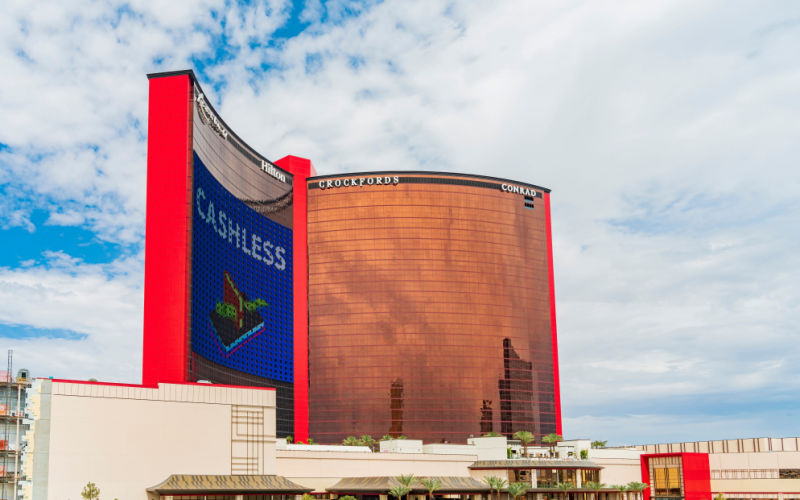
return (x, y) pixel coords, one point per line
(637, 488)
(584, 454)
(565, 488)
(431, 484)
(551, 440)
(492, 434)
(310, 441)
(367, 440)
(399, 491)
(719, 496)
(90, 491)
(495, 484)
(351, 441)
(518, 489)
(525, 437)
(599, 444)
(307, 496)
(387, 437)
(622, 490)
(344, 497)
(406, 481)
(594, 487)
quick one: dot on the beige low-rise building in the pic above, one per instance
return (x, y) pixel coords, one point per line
(126, 438)
(743, 469)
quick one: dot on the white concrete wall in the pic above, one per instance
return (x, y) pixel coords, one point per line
(620, 465)
(126, 439)
(769, 460)
(490, 448)
(401, 446)
(319, 470)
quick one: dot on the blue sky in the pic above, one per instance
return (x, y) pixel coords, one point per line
(667, 131)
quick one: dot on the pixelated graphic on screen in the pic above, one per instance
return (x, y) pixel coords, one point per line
(241, 283)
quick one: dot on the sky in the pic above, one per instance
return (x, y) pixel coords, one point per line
(667, 130)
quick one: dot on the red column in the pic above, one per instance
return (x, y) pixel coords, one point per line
(554, 337)
(168, 231)
(645, 467)
(301, 169)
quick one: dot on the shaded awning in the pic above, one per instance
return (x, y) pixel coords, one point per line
(534, 463)
(382, 484)
(204, 483)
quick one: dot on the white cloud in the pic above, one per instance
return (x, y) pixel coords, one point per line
(667, 130)
(102, 302)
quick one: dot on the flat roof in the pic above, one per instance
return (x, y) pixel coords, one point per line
(534, 463)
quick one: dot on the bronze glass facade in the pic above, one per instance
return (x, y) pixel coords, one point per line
(429, 307)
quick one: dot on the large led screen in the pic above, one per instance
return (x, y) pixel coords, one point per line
(241, 283)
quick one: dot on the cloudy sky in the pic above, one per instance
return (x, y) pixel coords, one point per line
(668, 132)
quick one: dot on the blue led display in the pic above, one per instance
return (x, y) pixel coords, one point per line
(241, 283)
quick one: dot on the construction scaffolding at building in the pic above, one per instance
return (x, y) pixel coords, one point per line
(12, 419)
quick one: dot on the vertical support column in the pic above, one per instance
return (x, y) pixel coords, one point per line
(301, 169)
(554, 337)
(167, 267)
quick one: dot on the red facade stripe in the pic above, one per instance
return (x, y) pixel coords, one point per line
(168, 237)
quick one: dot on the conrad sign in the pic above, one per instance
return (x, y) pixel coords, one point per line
(510, 188)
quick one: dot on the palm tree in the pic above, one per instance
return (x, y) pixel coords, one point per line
(599, 444)
(622, 489)
(399, 491)
(367, 440)
(406, 481)
(565, 488)
(594, 486)
(518, 489)
(495, 484)
(637, 488)
(350, 441)
(386, 437)
(492, 434)
(431, 484)
(551, 440)
(525, 437)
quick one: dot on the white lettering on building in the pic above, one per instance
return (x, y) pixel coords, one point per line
(271, 170)
(209, 117)
(236, 235)
(379, 180)
(508, 188)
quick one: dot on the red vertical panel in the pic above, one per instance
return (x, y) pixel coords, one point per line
(168, 231)
(644, 461)
(556, 383)
(695, 470)
(696, 476)
(301, 169)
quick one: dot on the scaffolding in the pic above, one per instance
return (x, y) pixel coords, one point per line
(13, 425)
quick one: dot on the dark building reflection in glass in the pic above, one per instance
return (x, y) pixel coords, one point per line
(516, 393)
(416, 280)
(396, 408)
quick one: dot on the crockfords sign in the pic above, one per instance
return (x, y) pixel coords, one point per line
(271, 170)
(378, 180)
(508, 188)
